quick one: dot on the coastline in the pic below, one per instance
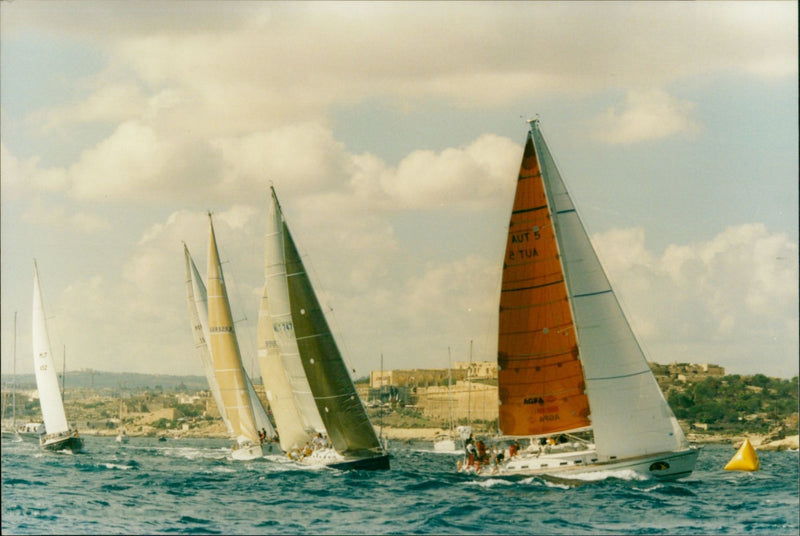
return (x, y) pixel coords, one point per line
(760, 442)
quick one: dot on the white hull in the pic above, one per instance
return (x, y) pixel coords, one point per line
(660, 466)
(328, 457)
(247, 452)
(122, 438)
(445, 445)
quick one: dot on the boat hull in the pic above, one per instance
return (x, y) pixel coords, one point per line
(659, 466)
(375, 463)
(73, 443)
(328, 457)
(247, 452)
(444, 444)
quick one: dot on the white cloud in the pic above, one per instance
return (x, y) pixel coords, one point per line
(21, 176)
(454, 177)
(728, 300)
(258, 66)
(647, 115)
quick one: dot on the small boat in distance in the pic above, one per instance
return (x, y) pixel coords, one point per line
(122, 435)
(11, 430)
(568, 362)
(58, 434)
(446, 441)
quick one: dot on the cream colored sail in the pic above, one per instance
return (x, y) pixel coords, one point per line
(225, 353)
(199, 307)
(55, 419)
(281, 315)
(198, 314)
(279, 392)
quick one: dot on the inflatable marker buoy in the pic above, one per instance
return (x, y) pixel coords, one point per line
(745, 459)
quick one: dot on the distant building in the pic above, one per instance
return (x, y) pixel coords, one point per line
(414, 377)
(478, 369)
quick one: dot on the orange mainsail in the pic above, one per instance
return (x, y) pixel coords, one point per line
(541, 386)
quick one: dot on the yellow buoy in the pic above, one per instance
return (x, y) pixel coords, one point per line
(745, 459)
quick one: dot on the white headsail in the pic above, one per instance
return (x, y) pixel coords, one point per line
(55, 419)
(279, 392)
(623, 393)
(281, 315)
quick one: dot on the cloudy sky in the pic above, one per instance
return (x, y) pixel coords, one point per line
(392, 133)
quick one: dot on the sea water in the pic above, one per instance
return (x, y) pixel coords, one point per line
(191, 486)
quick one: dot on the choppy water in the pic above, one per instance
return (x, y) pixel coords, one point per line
(190, 487)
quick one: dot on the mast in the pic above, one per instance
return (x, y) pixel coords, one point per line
(469, 384)
(63, 369)
(14, 385)
(380, 399)
(449, 391)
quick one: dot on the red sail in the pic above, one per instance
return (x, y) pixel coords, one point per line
(540, 378)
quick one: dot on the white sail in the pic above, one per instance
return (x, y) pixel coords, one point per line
(225, 351)
(628, 412)
(281, 315)
(259, 413)
(279, 392)
(55, 420)
(198, 314)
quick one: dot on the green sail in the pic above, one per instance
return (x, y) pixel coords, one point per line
(348, 425)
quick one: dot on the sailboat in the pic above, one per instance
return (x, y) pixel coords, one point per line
(197, 300)
(235, 389)
(446, 442)
(58, 434)
(568, 361)
(122, 435)
(312, 362)
(12, 431)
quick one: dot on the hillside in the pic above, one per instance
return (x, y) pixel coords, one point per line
(707, 406)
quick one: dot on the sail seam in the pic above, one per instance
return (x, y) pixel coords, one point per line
(586, 295)
(532, 209)
(534, 287)
(312, 336)
(620, 376)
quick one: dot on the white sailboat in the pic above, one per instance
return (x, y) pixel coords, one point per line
(11, 430)
(568, 361)
(58, 434)
(197, 299)
(227, 361)
(446, 442)
(312, 362)
(122, 435)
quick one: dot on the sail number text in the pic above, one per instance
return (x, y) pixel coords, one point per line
(524, 250)
(283, 327)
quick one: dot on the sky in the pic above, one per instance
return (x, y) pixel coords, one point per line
(392, 133)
